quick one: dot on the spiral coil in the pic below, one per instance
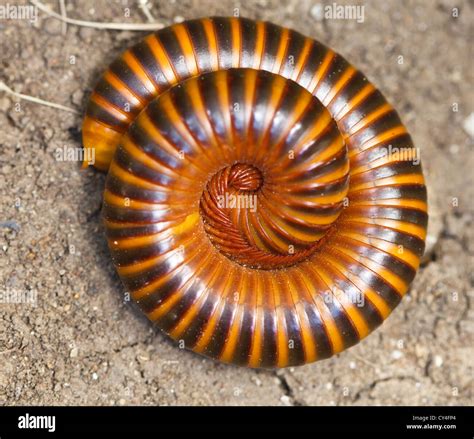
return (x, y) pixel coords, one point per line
(254, 207)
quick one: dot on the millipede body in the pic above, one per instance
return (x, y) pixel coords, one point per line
(257, 204)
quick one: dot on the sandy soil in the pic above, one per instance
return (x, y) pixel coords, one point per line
(81, 344)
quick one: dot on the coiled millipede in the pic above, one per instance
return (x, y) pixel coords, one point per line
(254, 206)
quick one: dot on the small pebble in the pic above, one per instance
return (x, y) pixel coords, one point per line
(11, 224)
(317, 12)
(74, 352)
(396, 354)
(48, 133)
(456, 76)
(143, 358)
(468, 125)
(125, 35)
(5, 104)
(76, 97)
(86, 33)
(454, 149)
(52, 26)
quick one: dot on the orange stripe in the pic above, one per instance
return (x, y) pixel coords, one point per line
(116, 112)
(312, 87)
(339, 85)
(303, 58)
(161, 58)
(212, 41)
(259, 44)
(206, 336)
(186, 45)
(355, 101)
(370, 118)
(282, 48)
(123, 89)
(236, 41)
(139, 72)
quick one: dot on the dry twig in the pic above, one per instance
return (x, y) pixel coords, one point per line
(6, 89)
(98, 24)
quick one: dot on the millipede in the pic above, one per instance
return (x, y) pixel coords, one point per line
(201, 116)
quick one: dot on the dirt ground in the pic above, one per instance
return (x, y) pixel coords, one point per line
(80, 344)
